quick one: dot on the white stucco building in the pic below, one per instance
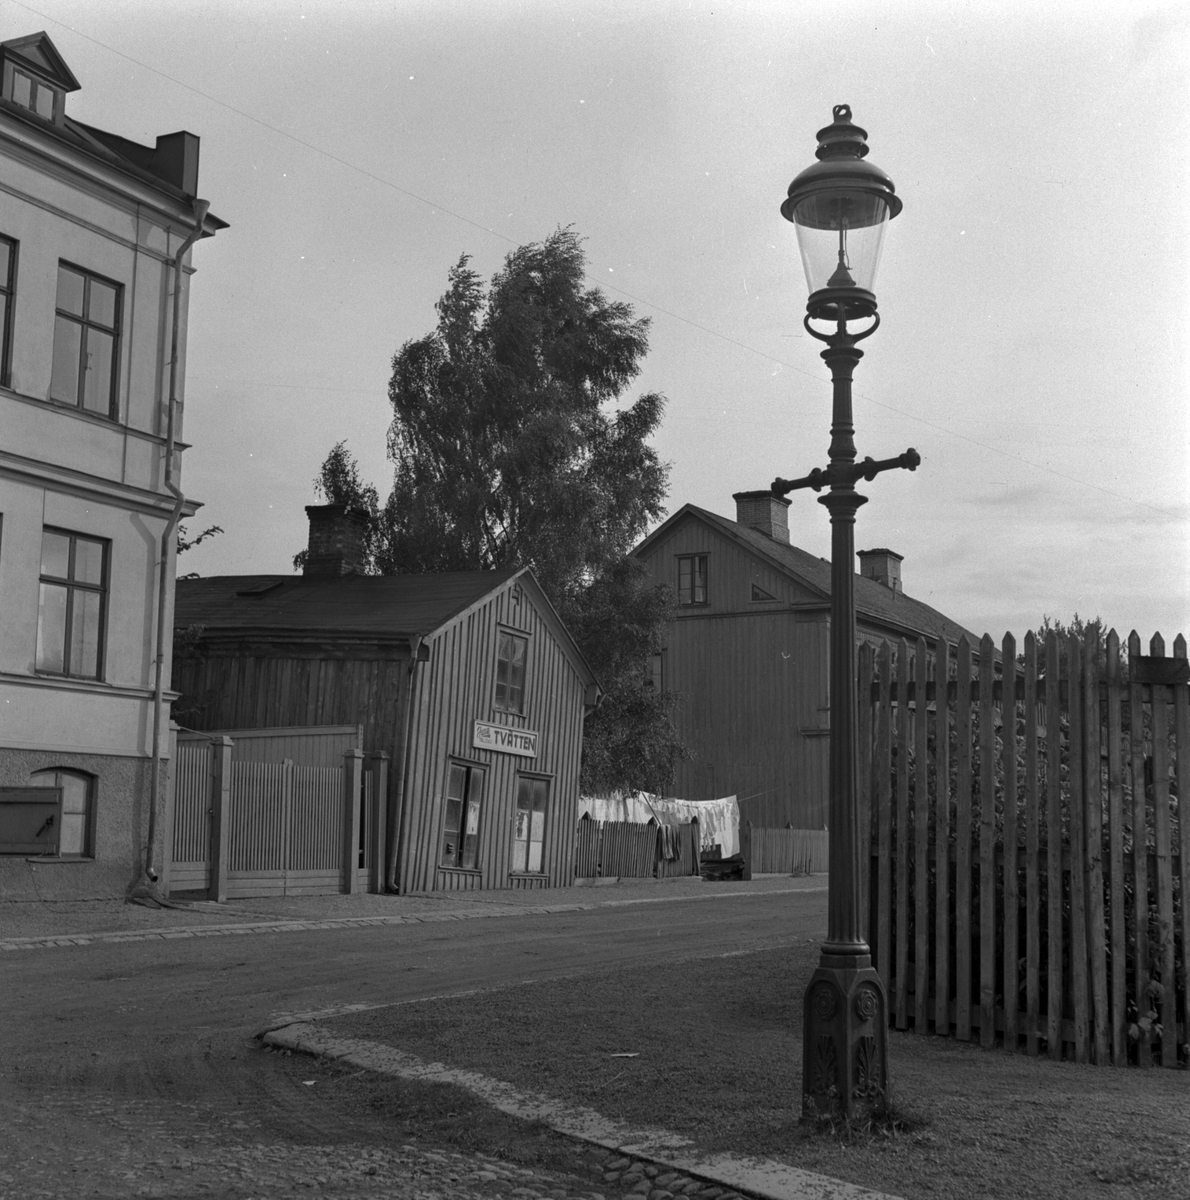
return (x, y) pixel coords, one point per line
(91, 230)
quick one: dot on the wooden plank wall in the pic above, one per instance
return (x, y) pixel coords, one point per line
(455, 688)
(790, 851)
(746, 726)
(255, 689)
(304, 746)
(1067, 778)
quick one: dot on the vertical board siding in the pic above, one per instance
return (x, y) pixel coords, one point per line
(1062, 881)
(316, 830)
(192, 802)
(790, 851)
(456, 689)
(751, 680)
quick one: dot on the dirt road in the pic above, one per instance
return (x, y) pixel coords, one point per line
(131, 1069)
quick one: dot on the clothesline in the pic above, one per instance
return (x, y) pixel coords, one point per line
(718, 820)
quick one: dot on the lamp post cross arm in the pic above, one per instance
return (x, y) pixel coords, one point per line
(845, 474)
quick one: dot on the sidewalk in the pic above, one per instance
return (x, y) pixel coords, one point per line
(29, 925)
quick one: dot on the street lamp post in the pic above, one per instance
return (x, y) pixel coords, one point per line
(840, 207)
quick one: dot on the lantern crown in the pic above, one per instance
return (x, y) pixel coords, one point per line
(839, 207)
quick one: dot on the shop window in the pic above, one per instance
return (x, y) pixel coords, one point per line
(86, 341)
(460, 827)
(72, 605)
(511, 652)
(531, 798)
(692, 579)
(74, 820)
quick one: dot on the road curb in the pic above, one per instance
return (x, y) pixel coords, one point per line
(490, 910)
(763, 1179)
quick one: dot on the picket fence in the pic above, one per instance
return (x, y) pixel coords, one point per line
(1045, 901)
(632, 850)
(788, 851)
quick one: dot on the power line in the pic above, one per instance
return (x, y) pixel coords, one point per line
(436, 207)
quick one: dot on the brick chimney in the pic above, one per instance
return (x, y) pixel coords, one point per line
(882, 566)
(336, 546)
(763, 511)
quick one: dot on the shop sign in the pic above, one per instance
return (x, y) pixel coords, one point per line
(504, 740)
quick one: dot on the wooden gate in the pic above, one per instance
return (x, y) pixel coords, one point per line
(239, 829)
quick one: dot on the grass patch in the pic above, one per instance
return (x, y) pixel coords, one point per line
(719, 1060)
(432, 1115)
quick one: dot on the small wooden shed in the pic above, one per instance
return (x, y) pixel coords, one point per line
(468, 680)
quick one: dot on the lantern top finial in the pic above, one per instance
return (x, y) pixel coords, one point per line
(842, 139)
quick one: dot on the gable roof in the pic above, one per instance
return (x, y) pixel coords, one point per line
(42, 55)
(875, 602)
(387, 608)
(146, 163)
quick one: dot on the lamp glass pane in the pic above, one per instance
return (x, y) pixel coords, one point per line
(840, 229)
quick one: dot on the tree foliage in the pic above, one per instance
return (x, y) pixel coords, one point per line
(511, 446)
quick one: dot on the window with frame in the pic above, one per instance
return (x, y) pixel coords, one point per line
(8, 275)
(33, 94)
(460, 823)
(86, 341)
(511, 652)
(692, 579)
(655, 675)
(72, 606)
(74, 821)
(532, 796)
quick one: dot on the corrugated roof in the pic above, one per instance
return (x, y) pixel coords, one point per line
(389, 605)
(875, 601)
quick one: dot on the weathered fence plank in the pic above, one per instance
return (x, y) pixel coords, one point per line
(1008, 764)
(1078, 852)
(1182, 734)
(903, 839)
(987, 844)
(1115, 822)
(921, 840)
(867, 653)
(1032, 853)
(1164, 879)
(942, 840)
(1093, 811)
(884, 808)
(1140, 857)
(1055, 882)
(963, 772)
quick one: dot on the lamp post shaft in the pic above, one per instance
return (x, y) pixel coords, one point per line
(845, 1021)
(845, 927)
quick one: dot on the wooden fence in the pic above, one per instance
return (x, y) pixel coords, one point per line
(1045, 900)
(243, 828)
(789, 851)
(629, 849)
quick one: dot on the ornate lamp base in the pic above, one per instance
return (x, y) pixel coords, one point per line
(844, 1052)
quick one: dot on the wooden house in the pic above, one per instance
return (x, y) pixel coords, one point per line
(748, 653)
(468, 680)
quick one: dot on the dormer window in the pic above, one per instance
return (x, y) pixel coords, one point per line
(33, 94)
(35, 77)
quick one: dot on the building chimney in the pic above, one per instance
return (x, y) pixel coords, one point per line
(763, 511)
(882, 566)
(336, 546)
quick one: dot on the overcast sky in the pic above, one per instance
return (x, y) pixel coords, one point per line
(1033, 291)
